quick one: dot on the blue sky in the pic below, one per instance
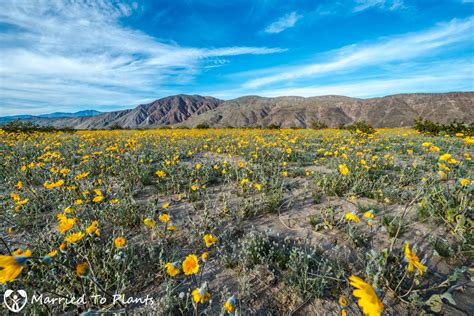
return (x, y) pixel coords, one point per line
(109, 55)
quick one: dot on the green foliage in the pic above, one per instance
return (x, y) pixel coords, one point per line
(318, 125)
(29, 127)
(202, 126)
(116, 126)
(361, 126)
(392, 224)
(273, 201)
(326, 220)
(311, 273)
(273, 126)
(432, 128)
(453, 207)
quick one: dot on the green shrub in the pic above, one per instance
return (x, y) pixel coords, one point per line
(318, 125)
(29, 127)
(362, 126)
(116, 126)
(273, 126)
(202, 126)
(433, 128)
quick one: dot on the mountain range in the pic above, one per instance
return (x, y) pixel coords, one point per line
(6, 119)
(288, 111)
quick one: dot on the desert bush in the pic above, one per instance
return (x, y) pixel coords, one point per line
(29, 127)
(318, 125)
(360, 127)
(202, 126)
(273, 126)
(116, 126)
(432, 128)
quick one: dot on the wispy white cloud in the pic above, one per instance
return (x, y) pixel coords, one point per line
(394, 49)
(429, 82)
(362, 5)
(80, 53)
(285, 22)
(354, 7)
(451, 75)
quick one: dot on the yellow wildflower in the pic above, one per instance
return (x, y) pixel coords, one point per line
(352, 217)
(209, 240)
(98, 198)
(191, 265)
(93, 228)
(343, 301)
(413, 260)
(171, 269)
(65, 223)
(343, 169)
(82, 269)
(52, 185)
(160, 173)
(452, 161)
(52, 253)
(68, 210)
(230, 304)
(445, 157)
(49, 257)
(201, 295)
(442, 175)
(81, 176)
(63, 247)
(74, 237)
(120, 242)
(15, 197)
(369, 214)
(368, 300)
(149, 222)
(11, 266)
(443, 167)
(165, 218)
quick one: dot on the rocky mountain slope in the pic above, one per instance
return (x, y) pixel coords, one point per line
(165, 111)
(190, 110)
(390, 111)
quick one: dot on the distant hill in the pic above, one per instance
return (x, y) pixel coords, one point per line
(6, 119)
(288, 111)
(65, 114)
(390, 111)
(166, 111)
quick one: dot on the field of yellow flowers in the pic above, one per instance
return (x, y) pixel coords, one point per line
(238, 221)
